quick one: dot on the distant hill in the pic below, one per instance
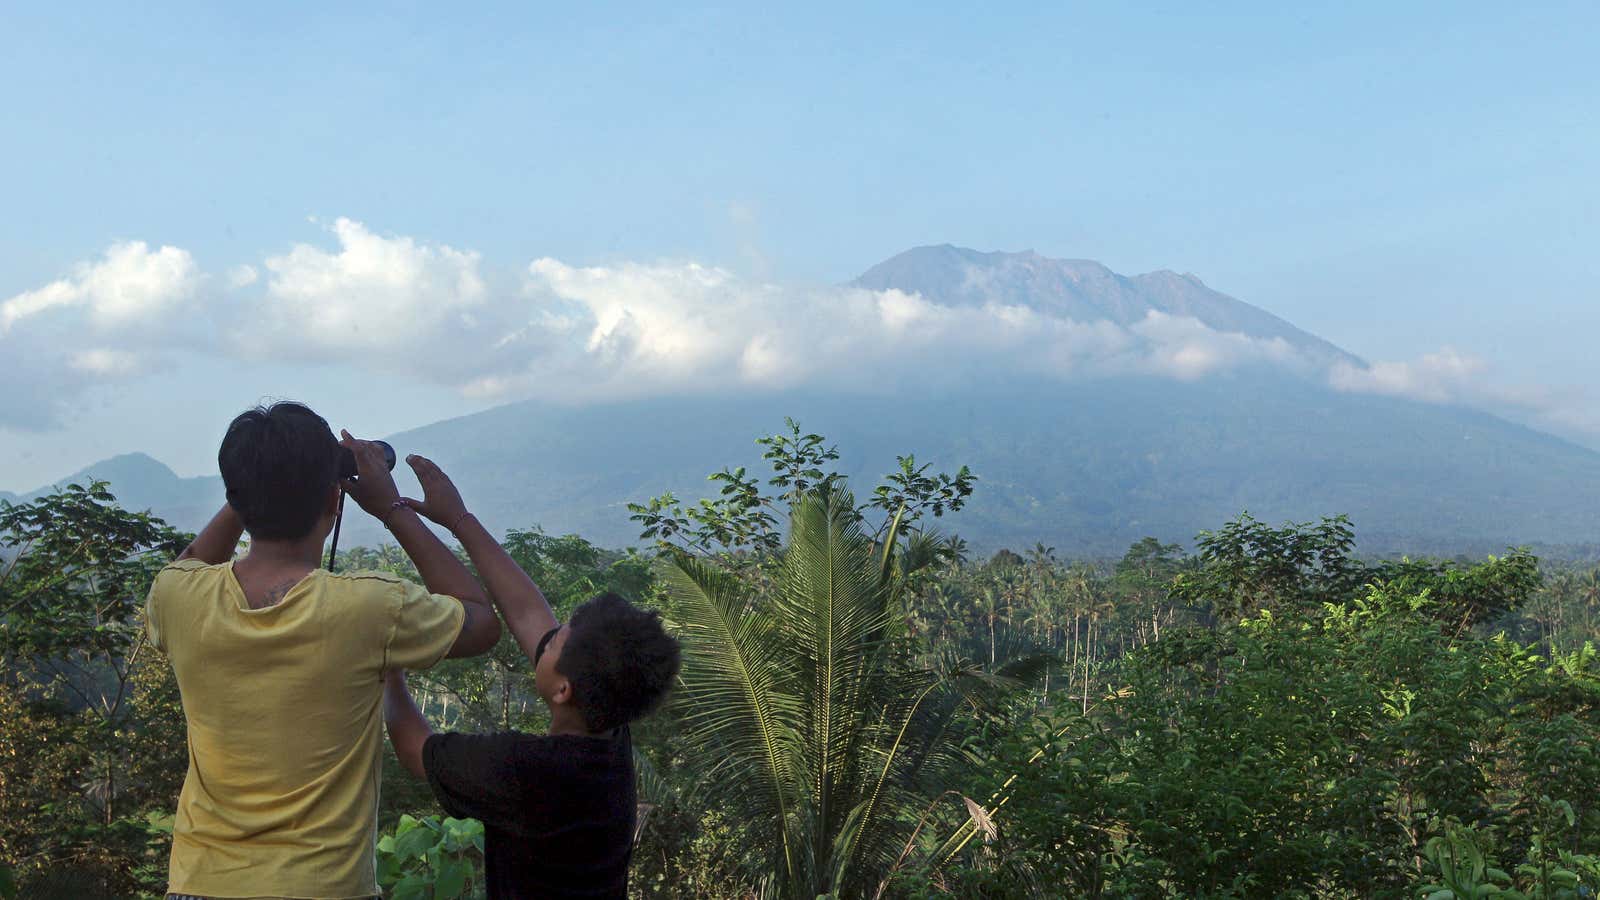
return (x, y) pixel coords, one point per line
(1087, 466)
(142, 483)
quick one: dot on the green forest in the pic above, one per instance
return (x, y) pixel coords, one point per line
(870, 709)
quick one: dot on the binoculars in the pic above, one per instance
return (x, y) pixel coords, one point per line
(347, 459)
(347, 469)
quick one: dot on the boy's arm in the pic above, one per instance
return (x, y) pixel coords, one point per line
(216, 542)
(441, 572)
(526, 611)
(523, 605)
(408, 730)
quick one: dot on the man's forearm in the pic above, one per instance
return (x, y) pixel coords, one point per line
(217, 541)
(522, 604)
(408, 729)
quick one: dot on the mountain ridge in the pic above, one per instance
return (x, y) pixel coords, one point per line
(1081, 289)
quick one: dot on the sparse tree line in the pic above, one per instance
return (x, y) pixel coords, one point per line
(867, 710)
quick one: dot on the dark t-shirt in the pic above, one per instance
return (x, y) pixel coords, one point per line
(557, 810)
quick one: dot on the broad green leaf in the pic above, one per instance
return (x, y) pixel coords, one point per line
(452, 879)
(389, 870)
(411, 887)
(414, 843)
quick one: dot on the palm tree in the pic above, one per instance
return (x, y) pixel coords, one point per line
(1589, 591)
(806, 713)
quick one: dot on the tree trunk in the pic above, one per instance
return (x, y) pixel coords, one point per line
(111, 790)
(991, 639)
(505, 699)
(1088, 649)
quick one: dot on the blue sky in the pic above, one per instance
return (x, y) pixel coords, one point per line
(1397, 178)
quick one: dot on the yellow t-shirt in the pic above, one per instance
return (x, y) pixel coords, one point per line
(285, 712)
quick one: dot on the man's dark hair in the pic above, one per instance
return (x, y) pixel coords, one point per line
(619, 659)
(278, 463)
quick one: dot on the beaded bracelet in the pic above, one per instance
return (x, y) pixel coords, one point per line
(398, 504)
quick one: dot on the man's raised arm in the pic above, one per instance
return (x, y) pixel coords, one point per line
(215, 543)
(441, 572)
(523, 605)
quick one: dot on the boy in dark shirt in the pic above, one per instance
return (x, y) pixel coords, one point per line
(558, 809)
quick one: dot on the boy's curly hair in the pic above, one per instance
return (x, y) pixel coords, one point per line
(619, 659)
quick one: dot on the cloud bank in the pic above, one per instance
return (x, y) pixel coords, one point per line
(128, 285)
(397, 305)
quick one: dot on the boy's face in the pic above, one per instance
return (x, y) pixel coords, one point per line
(551, 684)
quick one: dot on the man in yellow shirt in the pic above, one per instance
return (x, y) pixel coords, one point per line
(281, 664)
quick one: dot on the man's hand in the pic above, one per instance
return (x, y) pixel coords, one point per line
(440, 502)
(373, 487)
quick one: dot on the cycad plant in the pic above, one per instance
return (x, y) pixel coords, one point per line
(809, 717)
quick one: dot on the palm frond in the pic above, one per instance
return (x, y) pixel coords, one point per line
(736, 689)
(923, 549)
(832, 601)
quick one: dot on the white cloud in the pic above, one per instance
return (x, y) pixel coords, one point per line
(1185, 348)
(1449, 376)
(380, 301)
(242, 276)
(105, 362)
(395, 304)
(130, 283)
(31, 303)
(108, 321)
(638, 328)
(1440, 377)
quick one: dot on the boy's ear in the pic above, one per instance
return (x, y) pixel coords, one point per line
(563, 693)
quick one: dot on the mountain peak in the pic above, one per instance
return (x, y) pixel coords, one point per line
(141, 482)
(123, 468)
(141, 465)
(1078, 289)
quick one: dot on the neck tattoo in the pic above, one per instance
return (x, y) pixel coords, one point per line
(275, 593)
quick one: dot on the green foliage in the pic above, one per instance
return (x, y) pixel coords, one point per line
(911, 491)
(432, 859)
(866, 712)
(70, 589)
(1471, 596)
(812, 722)
(743, 520)
(92, 739)
(1247, 566)
(1461, 868)
(700, 852)
(1307, 750)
